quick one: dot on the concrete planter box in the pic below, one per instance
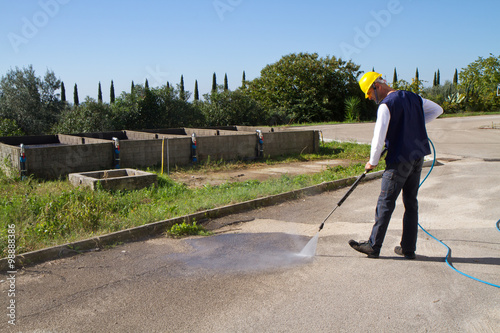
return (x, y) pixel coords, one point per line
(56, 156)
(115, 179)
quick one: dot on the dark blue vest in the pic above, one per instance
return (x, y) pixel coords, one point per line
(406, 138)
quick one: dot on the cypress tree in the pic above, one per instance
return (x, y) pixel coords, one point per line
(226, 87)
(455, 77)
(182, 93)
(146, 84)
(214, 83)
(132, 86)
(438, 78)
(63, 93)
(416, 75)
(99, 93)
(395, 77)
(196, 94)
(168, 85)
(243, 80)
(112, 93)
(75, 96)
(434, 82)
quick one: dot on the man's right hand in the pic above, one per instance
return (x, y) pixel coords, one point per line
(369, 167)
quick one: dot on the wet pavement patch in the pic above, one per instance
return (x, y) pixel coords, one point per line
(245, 252)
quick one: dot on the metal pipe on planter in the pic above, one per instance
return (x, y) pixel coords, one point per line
(22, 162)
(116, 153)
(194, 154)
(260, 144)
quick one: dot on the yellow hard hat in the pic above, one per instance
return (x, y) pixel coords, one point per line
(367, 80)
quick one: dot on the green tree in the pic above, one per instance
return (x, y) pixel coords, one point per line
(90, 116)
(227, 108)
(125, 110)
(112, 93)
(196, 93)
(182, 93)
(132, 87)
(416, 85)
(30, 101)
(395, 79)
(150, 116)
(63, 93)
(438, 78)
(304, 87)
(146, 84)
(76, 101)
(226, 87)
(455, 77)
(8, 127)
(445, 95)
(99, 93)
(214, 83)
(176, 112)
(243, 81)
(154, 108)
(479, 82)
(137, 110)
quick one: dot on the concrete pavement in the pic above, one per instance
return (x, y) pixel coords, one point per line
(248, 278)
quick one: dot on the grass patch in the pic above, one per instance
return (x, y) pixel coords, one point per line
(468, 114)
(48, 213)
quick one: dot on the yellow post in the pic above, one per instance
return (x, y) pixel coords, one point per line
(162, 148)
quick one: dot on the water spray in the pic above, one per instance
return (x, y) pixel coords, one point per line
(310, 249)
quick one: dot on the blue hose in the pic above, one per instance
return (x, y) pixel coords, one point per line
(449, 250)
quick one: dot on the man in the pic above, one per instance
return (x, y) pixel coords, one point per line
(401, 119)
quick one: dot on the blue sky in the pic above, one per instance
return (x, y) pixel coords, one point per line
(87, 41)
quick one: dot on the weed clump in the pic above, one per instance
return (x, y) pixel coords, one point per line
(186, 229)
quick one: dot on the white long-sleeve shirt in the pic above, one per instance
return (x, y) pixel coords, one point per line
(431, 112)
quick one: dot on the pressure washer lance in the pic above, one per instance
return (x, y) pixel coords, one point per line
(353, 186)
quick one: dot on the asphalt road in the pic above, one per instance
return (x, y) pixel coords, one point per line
(248, 277)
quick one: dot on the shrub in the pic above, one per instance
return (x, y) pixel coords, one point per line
(352, 108)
